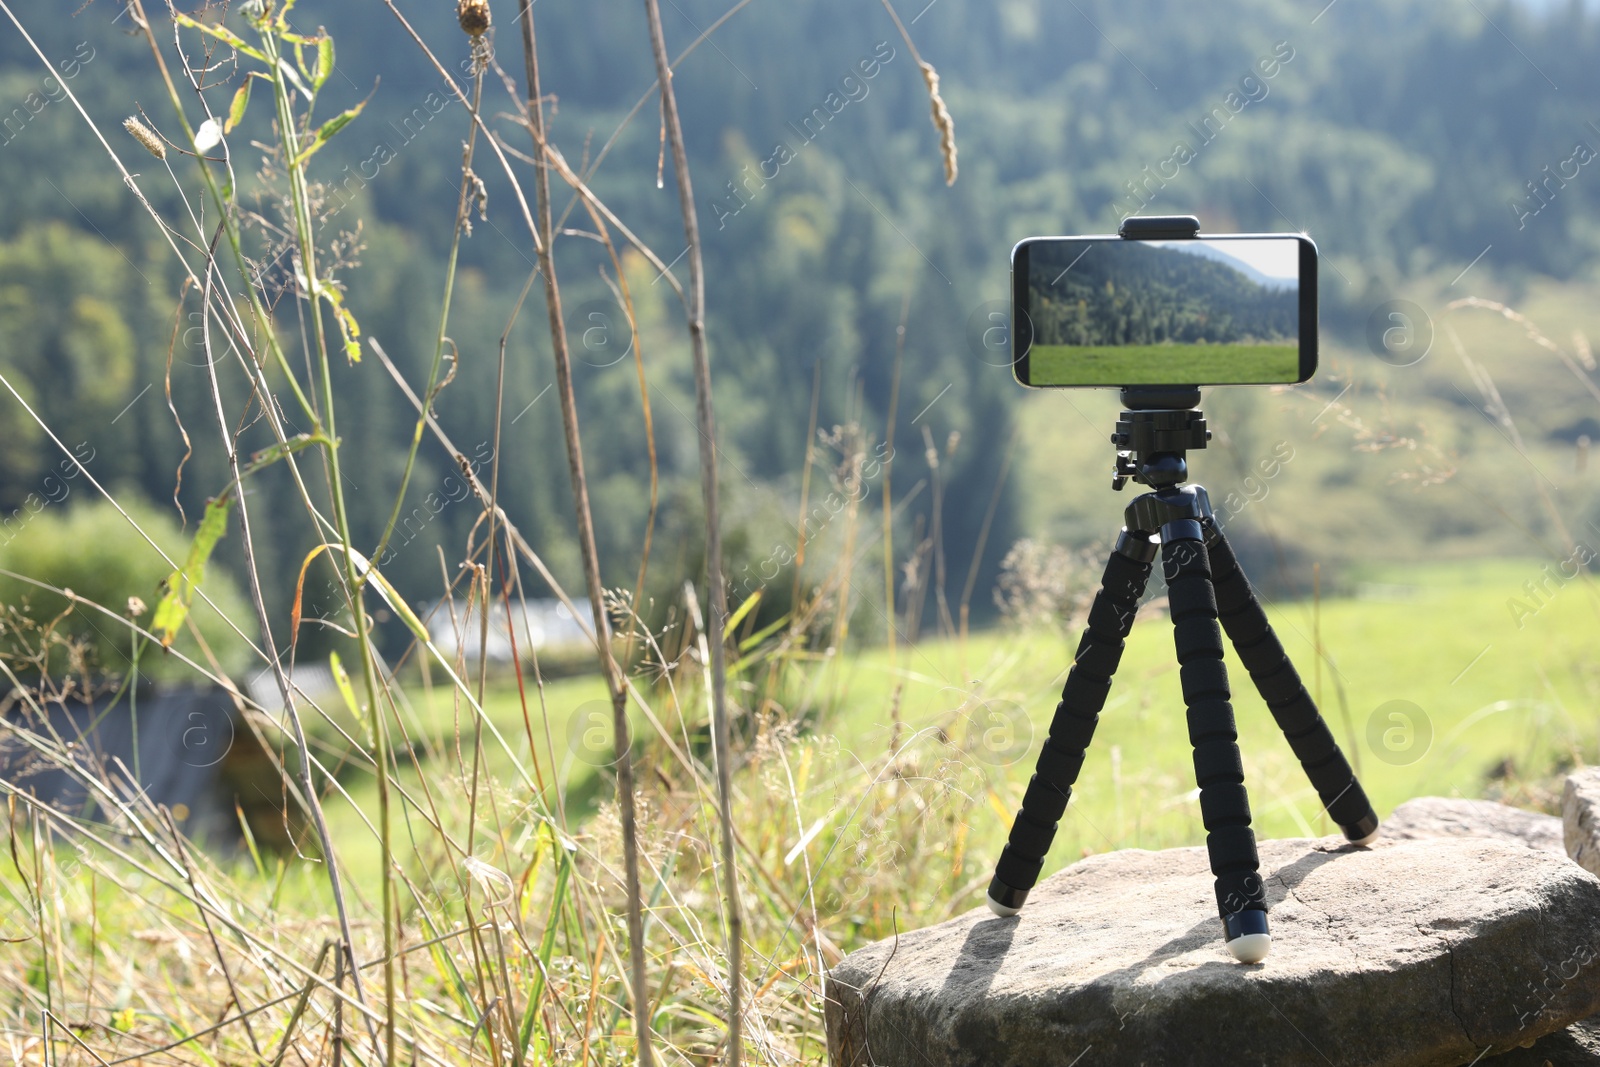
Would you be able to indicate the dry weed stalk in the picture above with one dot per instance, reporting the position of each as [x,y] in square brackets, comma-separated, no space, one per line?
[622,736]
[716,584]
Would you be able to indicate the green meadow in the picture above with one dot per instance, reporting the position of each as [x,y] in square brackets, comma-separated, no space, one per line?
[1162,364]
[1497,702]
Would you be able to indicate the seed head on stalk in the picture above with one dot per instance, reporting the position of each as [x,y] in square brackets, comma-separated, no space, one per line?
[145,136]
[473,16]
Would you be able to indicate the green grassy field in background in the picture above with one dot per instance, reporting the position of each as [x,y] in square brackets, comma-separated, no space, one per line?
[1503,709]
[1161,364]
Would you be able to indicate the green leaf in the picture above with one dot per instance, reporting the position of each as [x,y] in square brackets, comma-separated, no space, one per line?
[241,100]
[293,77]
[341,679]
[326,131]
[352,333]
[324,62]
[397,604]
[547,945]
[221,33]
[762,634]
[181,585]
[266,457]
[300,58]
[739,613]
[349,328]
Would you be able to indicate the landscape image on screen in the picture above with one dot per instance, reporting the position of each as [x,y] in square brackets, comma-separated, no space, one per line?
[1196,312]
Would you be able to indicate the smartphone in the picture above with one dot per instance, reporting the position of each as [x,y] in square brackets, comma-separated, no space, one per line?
[1235,309]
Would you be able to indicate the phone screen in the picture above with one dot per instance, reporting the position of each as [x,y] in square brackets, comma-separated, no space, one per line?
[1104,311]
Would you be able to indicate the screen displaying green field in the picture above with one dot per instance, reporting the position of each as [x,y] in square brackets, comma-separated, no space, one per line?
[1165,364]
[1200,311]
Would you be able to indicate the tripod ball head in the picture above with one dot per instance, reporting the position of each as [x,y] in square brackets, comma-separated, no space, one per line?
[1161,471]
[1152,443]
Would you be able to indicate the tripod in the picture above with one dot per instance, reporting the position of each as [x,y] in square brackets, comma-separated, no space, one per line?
[1205,586]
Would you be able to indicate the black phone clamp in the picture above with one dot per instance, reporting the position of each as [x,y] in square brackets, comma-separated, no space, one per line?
[1158,227]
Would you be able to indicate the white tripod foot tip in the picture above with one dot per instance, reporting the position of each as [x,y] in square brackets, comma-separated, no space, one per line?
[1369,839]
[1005,900]
[1000,909]
[1250,948]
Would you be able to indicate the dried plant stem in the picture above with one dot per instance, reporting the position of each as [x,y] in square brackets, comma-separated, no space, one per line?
[307,786]
[615,682]
[644,98]
[1501,414]
[624,295]
[182,854]
[931,453]
[805,497]
[983,538]
[708,488]
[463,211]
[493,142]
[888,470]
[480,493]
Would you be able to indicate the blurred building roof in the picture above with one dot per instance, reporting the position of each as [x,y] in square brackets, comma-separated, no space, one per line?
[545,625]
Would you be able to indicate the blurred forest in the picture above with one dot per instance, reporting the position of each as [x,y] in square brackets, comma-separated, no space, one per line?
[1147,296]
[1407,138]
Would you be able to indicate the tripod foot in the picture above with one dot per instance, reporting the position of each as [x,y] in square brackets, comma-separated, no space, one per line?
[1251,948]
[1364,831]
[1000,909]
[1004,900]
[1247,935]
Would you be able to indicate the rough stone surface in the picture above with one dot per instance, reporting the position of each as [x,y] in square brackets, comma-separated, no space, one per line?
[1574,834]
[1576,1046]
[1427,817]
[1580,818]
[1425,953]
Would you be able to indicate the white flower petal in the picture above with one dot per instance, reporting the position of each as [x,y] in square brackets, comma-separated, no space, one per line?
[208,136]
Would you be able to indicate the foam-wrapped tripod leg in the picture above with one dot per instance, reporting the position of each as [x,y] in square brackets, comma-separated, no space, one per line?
[1072,727]
[1224,804]
[1292,707]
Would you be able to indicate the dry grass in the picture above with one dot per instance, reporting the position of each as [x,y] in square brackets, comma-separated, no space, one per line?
[441,901]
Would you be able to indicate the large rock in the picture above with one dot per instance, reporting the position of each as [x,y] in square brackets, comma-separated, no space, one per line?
[1576,1046]
[1427,817]
[1580,818]
[1426,953]
[1574,835]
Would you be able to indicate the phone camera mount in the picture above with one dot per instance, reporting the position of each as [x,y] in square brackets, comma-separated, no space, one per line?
[1152,442]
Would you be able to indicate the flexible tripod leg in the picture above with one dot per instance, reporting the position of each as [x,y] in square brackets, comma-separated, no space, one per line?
[1279,684]
[1072,727]
[1224,804]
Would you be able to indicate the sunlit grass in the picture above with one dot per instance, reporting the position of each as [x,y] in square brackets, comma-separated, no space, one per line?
[873,796]
[1506,706]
